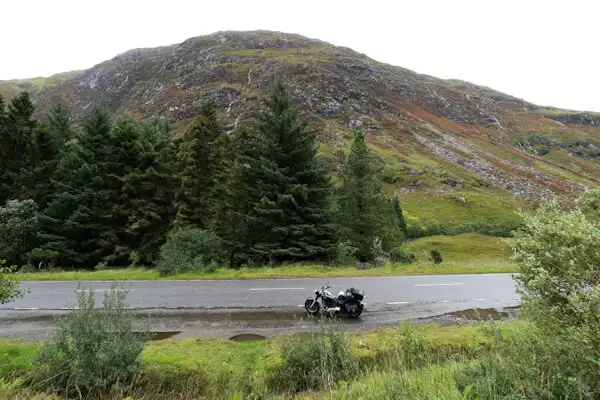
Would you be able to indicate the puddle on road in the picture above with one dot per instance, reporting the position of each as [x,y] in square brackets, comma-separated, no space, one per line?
[247,337]
[481,314]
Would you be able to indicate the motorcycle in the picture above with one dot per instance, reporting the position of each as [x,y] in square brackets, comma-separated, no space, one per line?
[348,302]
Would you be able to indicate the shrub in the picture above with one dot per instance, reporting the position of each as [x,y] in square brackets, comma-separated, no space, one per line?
[436,257]
[10,289]
[530,364]
[18,229]
[189,250]
[314,361]
[558,256]
[401,256]
[92,350]
[345,253]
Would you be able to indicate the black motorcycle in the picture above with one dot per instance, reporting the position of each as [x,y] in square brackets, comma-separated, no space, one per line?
[348,302]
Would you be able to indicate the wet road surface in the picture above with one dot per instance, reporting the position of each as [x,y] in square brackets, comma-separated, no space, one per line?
[264,307]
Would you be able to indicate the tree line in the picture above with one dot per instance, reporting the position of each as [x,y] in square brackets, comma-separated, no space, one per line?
[112,190]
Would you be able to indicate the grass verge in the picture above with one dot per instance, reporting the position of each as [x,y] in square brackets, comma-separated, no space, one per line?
[406,360]
[295,271]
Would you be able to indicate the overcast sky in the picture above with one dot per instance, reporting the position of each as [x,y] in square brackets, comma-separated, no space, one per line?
[543,51]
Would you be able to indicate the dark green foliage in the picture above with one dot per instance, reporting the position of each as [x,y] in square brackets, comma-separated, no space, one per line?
[198,166]
[114,193]
[436,257]
[93,349]
[364,212]
[400,216]
[290,216]
[315,361]
[76,226]
[504,229]
[10,288]
[151,188]
[401,256]
[44,155]
[234,198]
[18,229]
[190,250]
[17,139]
[534,365]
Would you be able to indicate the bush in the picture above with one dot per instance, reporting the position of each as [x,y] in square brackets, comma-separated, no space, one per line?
[436,257]
[401,256]
[314,361]
[18,229]
[558,257]
[345,254]
[92,350]
[530,364]
[504,229]
[190,250]
[10,289]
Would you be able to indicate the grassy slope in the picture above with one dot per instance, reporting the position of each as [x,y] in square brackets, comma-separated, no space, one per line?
[463,254]
[229,367]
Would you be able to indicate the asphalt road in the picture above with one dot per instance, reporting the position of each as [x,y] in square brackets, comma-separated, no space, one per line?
[223,308]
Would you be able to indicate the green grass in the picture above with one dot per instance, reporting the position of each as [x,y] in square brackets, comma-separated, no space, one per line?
[463,254]
[490,266]
[230,369]
[470,248]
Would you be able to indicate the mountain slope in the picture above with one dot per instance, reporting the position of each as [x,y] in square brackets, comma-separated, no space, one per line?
[455,151]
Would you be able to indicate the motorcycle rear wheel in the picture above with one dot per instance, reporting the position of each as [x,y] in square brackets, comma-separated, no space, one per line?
[312,307]
[355,313]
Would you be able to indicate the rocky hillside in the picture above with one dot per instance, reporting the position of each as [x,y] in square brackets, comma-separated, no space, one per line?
[454,150]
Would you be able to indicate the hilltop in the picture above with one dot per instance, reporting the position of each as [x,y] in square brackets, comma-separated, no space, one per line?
[455,151]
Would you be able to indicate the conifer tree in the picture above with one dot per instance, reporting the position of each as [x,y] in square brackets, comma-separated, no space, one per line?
[291,219]
[75,227]
[234,197]
[197,165]
[150,189]
[16,143]
[361,201]
[4,153]
[44,153]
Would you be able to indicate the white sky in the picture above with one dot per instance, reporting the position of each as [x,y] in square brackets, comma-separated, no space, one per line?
[543,51]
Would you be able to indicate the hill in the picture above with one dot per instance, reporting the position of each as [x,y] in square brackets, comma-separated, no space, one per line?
[455,151]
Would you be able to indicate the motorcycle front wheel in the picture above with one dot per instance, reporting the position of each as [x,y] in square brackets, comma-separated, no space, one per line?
[312,307]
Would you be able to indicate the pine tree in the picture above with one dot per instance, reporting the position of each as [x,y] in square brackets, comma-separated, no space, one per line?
[150,189]
[197,165]
[44,153]
[4,153]
[75,227]
[234,197]
[16,143]
[120,167]
[361,199]
[291,219]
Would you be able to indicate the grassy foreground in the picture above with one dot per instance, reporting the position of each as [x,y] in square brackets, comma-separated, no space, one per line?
[463,254]
[226,369]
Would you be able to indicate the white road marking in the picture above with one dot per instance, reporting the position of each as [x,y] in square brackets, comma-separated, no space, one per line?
[276,288]
[438,284]
[478,299]
[445,301]
[393,303]
[104,290]
[26,308]
[70,308]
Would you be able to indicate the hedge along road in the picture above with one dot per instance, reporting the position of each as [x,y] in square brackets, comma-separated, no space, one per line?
[220,308]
